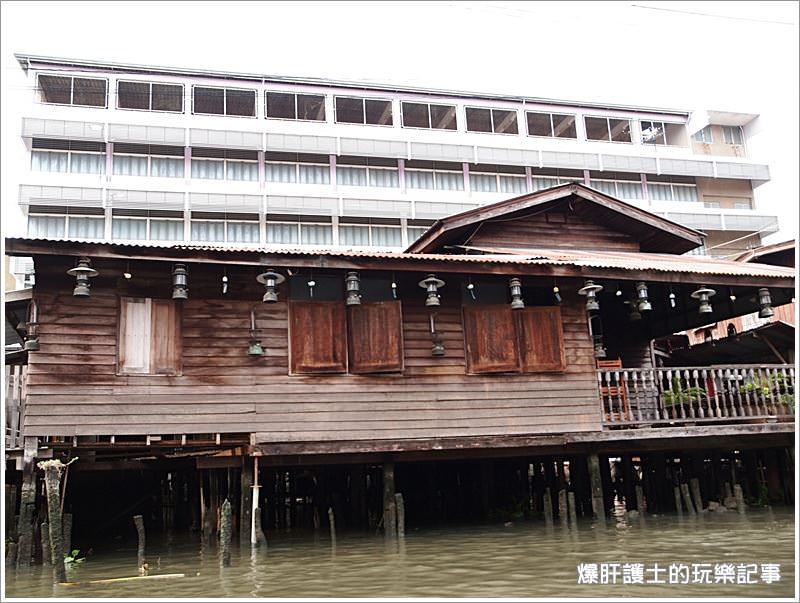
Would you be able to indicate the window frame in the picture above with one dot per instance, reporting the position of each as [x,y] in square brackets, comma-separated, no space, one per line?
[295,94]
[702,139]
[552,135]
[146,220]
[370,237]
[608,128]
[69,153]
[363,100]
[732,130]
[150,96]
[225,236]
[491,111]
[120,335]
[428,105]
[225,100]
[71,89]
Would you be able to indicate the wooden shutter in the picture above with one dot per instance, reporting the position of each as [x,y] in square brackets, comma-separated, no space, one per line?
[317,337]
[490,339]
[165,339]
[134,335]
[376,337]
[541,339]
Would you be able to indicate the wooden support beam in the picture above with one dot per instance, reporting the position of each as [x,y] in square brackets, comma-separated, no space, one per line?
[598,503]
[389,502]
[246,500]
[27,502]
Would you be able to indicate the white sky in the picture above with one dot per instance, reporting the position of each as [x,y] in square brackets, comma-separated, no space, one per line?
[739,56]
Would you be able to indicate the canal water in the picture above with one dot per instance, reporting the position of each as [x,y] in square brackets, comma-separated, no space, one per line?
[520,559]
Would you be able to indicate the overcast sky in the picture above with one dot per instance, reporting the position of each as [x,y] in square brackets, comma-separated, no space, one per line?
[739,56]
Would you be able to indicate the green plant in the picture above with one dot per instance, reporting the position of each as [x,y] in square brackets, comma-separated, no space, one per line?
[777,385]
[72,559]
[678,394]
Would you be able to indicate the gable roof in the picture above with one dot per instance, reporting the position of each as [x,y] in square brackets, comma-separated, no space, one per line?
[654,233]
[779,254]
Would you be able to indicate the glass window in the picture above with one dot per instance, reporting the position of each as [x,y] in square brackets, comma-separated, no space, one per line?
[243,232]
[55,89]
[539,124]
[208,231]
[281,105]
[443,117]
[316,234]
[419,179]
[280,172]
[224,101]
[349,110]
[596,128]
[605,186]
[415,115]
[711,204]
[208,169]
[653,132]
[659,192]
[684,193]
[513,184]
[167,167]
[415,232]
[483,183]
[732,135]
[478,120]
[351,176]
[554,125]
[46,226]
[167,97]
[620,129]
[499,121]
[449,181]
[166,230]
[87,163]
[742,205]
[282,233]
[130,165]
[363,111]
[242,170]
[49,161]
[209,100]
[86,228]
[504,121]
[629,190]
[387,236]
[311,107]
[354,235]
[68,90]
[88,92]
[315,174]
[387,178]
[133,95]
[422,115]
[378,112]
[704,135]
[564,126]
[241,103]
[128,229]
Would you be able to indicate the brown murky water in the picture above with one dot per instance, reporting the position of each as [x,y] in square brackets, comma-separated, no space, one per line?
[520,560]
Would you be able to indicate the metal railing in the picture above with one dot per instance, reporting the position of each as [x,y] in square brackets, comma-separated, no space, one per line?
[646,396]
[16,375]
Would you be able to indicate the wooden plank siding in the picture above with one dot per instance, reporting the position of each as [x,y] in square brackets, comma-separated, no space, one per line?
[552,230]
[74,387]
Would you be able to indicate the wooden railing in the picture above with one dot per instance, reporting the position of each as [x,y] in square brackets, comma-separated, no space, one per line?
[15,403]
[649,396]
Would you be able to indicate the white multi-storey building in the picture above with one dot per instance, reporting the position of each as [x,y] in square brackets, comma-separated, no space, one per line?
[132,153]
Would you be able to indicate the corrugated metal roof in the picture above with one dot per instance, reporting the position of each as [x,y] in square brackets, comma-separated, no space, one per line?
[565,257]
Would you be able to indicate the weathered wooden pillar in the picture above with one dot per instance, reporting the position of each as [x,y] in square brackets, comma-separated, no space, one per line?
[550,481]
[677,494]
[44,534]
[246,501]
[401,514]
[66,529]
[562,507]
[596,481]
[332,525]
[628,483]
[694,486]
[389,503]
[225,534]
[607,485]
[27,505]
[52,480]
[573,514]
[639,499]
[138,521]
[774,487]
[687,498]
[739,495]
[547,506]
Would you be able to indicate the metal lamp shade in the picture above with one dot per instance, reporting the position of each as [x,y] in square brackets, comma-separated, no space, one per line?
[704,294]
[82,273]
[516,294]
[431,284]
[765,303]
[352,286]
[590,290]
[270,280]
[180,282]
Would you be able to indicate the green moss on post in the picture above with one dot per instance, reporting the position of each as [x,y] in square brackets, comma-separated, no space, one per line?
[52,479]
[225,534]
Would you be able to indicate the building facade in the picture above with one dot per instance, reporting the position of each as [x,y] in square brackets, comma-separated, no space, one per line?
[132,153]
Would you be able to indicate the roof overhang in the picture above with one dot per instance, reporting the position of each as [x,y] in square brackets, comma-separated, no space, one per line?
[778,254]
[765,343]
[540,262]
[655,233]
[700,119]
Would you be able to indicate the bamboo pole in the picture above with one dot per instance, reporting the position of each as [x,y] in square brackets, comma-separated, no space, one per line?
[225,534]
[138,521]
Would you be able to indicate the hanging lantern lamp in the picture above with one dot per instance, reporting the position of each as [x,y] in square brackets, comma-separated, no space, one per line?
[254,348]
[704,294]
[82,273]
[270,279]
[352,284]
[590,290]
[431,284]
[180,282]
[642,297]
[437,342]
[765,303]
[516,294]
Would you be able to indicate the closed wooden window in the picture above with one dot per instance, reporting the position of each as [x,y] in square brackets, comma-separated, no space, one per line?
[541,339]
[376,337]
[149,336]
[501,340]
[317,337]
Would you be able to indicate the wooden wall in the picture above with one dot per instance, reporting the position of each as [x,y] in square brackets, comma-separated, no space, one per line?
[557,228]
[74,388]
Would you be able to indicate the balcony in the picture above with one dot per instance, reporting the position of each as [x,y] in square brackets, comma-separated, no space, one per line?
[663,397]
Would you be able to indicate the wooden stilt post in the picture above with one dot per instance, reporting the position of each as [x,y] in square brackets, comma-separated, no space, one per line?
[246,499]
[332,524]
[44,534]
[138,521]
[687,499]
[639,499]
[52,480]
[562,507]
[389,504]
[11,554]
[739,495]
[573,515]
[401,515]
[694,485]
[677,493]
[225,534]
[547,504]
[598,503]
[27,504]
[67,526]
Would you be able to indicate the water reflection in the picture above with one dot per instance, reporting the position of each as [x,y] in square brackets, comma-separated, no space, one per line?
[524,559]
